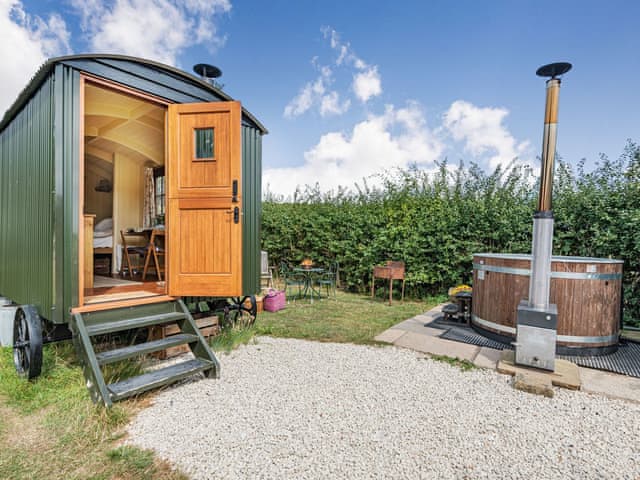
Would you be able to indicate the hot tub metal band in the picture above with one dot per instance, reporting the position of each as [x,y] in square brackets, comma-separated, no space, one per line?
[568,275]
[561,338]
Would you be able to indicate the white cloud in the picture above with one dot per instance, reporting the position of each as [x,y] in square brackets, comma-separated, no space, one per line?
[367,84]
[397,138]
[366,81]
[484,134]
[346,55]
[316,93]
[308,95]
[26,41]
[331,104]
[155,29]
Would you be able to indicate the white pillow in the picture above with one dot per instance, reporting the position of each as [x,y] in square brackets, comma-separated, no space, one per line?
[104,225]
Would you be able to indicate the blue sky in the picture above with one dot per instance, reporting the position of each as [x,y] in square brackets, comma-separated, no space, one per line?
[349,88]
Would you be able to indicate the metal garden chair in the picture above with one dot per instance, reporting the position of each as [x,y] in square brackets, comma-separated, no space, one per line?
[329,279]
[291,278]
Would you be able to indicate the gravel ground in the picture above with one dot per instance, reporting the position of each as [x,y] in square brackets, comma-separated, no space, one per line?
[304,410]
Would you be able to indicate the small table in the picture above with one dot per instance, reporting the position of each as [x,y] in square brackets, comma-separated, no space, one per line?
[309,273]
[391,271]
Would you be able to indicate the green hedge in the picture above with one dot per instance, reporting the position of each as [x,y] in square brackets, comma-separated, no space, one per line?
[435,223]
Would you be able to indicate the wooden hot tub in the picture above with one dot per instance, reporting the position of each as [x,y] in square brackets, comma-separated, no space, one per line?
[586,290]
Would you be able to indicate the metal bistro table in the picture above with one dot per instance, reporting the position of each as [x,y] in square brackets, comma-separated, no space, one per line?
[309,273]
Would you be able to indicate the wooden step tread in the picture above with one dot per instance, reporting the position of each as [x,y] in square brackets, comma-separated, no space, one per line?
[131,323]
[130,351]
[157,378]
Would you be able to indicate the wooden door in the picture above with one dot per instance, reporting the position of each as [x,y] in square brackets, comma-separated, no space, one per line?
[204,199]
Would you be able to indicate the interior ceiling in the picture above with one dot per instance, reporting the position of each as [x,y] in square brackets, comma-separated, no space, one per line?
[119,123]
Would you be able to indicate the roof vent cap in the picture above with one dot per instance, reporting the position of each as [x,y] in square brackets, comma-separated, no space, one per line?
[208,73]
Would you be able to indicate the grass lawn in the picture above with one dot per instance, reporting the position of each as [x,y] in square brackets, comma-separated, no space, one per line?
[50,429]
[349,318]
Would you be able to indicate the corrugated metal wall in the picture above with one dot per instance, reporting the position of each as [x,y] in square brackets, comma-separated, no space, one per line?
[67,135]
[27,203]
[252,208]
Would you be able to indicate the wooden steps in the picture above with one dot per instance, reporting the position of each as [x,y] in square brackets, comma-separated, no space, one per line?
[157,378]
[187,335]
[111,356]
[208,327]
[131,323]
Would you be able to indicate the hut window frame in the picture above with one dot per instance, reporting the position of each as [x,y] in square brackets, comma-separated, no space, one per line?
[204,144]
[159,182]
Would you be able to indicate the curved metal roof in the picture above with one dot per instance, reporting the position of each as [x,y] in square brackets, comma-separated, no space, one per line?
[46,68]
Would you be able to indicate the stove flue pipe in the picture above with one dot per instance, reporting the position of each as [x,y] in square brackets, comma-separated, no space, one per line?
[549,144]
[543,218]
[537,320]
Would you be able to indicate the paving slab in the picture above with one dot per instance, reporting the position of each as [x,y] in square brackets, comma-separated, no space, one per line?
[418,319]
[390,335]
[566,374]
[487,358]
[432,332]
[431,315]
[610,384]
[417,327]
[532,382]
[422,318]
[437,346]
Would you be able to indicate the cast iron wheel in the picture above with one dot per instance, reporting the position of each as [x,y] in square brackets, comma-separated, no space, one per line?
[27,342]
[240,312]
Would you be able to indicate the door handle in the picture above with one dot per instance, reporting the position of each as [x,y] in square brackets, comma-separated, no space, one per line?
[234,191]
[236,215]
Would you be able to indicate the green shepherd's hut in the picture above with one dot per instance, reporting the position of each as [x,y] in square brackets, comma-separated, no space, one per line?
[129,197]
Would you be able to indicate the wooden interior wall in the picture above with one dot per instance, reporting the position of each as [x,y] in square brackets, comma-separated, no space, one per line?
[98,203]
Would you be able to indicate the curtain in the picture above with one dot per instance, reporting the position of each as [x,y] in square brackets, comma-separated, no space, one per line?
[149,212]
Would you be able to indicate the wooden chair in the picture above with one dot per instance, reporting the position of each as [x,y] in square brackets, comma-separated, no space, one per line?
[133,243]
[155,250]
[390,270]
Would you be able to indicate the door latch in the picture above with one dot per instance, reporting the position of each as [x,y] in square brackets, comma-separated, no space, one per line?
[234,191]
[236,215]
